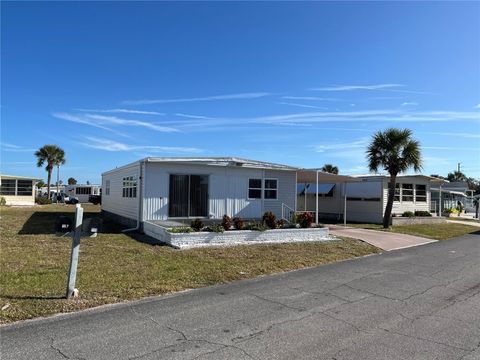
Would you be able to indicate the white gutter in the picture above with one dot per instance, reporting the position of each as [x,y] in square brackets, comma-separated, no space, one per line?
[140,200]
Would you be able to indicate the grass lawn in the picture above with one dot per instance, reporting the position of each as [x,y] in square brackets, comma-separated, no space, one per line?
[433,231]
[115,267]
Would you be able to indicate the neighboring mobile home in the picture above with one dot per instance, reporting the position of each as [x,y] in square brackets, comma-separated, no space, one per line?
[17,190]
[185,188]
[366,200]
[83,191]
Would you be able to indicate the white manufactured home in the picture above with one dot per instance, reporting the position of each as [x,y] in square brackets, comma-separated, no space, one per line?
[366,198]
[184,188]
[83,191]
[17,190]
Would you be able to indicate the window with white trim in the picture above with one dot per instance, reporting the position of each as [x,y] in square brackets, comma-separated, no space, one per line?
[420,193]
[84,190]
[270,189]
[254,188]
[8,187]
[107,187]
[129,187]
[24,187]
[396,197]
[407,192]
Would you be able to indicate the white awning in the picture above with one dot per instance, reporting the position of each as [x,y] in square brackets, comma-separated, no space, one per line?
[312,188]
[309,176]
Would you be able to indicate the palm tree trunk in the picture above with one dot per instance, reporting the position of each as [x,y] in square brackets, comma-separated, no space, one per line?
[391,196]
[49,179]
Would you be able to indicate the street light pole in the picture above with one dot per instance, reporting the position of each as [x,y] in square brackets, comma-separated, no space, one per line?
[58,179]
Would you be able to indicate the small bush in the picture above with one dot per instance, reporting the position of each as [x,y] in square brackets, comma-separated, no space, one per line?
[256,226]
[238,223]
[197,224]
[294,218]
[305,220]
[3,202]
[269,219]
[422,213]
[42,200]
[218,228]
[226,222]
[408,214]
[280,223]
[180,230]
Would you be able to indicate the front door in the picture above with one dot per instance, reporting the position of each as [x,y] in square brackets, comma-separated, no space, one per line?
[188,196]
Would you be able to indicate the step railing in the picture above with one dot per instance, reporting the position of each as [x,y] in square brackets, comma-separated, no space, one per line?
[288,213]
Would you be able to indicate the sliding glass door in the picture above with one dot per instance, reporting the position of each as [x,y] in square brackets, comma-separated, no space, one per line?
[188,196]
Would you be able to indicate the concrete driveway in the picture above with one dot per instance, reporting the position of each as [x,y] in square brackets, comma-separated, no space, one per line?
[384,240]
[417,303]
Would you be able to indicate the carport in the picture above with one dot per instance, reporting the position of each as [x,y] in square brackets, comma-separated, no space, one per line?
[320,179]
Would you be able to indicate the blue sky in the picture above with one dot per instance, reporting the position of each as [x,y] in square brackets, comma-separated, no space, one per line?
[298,83]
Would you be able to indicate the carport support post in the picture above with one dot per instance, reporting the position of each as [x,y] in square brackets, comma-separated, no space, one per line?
[345,204]
[72,273]
[316,201]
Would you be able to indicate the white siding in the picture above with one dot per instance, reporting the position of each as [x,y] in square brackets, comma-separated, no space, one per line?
[228,190]
[115,203]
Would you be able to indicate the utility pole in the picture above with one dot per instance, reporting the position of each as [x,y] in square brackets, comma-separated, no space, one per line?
[458,167]
[58,179]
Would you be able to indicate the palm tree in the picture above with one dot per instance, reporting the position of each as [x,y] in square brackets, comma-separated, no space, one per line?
[329,168]
[395,151]
[51,155]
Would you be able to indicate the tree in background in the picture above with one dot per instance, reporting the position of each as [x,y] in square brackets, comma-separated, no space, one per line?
[71,181]
[396,151]
[51,155]
[40,184]
[456,176]
[329,168]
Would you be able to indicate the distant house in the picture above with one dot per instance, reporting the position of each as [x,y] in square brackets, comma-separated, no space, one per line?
[449,195]
[18,190]
[366,199]
[185,188]
[83,191]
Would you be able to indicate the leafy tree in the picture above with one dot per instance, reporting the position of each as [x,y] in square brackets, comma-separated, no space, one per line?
[71,181]
[40,184]
[329,168]
[456,176]
[396,151]
[51,155]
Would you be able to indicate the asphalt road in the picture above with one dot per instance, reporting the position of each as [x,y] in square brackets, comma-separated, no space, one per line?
[417,303]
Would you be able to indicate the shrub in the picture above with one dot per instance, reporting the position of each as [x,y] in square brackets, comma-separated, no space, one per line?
[238,223]
[294,218]
[280,224]
[408,214]
[256,226]
[305,219]
[42,200]
[451,211]
[218,228]
[3,202]
[180,229]
[197,224]
[422,213]
[226,222]
[269,219]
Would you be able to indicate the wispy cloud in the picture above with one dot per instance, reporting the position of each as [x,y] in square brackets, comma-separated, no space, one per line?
[15,148]
[374,87]
[312,98]
[477,106]
[252,95]
[357,87]
[122,111]
[110,145]
[188,116]
[472,135]
[358,144]
[101,121]
[410,103]
[301,105]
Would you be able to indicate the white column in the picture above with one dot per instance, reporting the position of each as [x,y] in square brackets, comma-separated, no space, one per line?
[345,204]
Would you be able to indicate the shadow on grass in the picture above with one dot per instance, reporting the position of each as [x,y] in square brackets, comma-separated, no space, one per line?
[43,223]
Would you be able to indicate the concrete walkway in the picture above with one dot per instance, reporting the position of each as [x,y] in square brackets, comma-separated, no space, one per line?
[471,223]
[384,240]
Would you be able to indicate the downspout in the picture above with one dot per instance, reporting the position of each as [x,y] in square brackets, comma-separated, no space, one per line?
[140,201]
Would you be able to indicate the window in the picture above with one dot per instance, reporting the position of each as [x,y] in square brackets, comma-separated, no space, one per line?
[107,187]
[397,193]
[407,192]
[254,188]
[84,190]
[129,188]
[270,191]
[8,187]
[420,193]
[24,187]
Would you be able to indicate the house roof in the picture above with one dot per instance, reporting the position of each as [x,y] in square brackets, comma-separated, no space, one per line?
[4,176]
[212,161]
[382,176]
[310,176]
[459,193]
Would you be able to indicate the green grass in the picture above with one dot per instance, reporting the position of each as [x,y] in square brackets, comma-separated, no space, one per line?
[115,267]
[432,231]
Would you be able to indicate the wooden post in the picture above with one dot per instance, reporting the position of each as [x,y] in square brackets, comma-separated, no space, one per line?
[77,232]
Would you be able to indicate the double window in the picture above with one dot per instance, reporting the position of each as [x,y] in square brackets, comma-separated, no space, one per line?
[16,187]
[85,190]
[129,187]
[410,192]
[269,189]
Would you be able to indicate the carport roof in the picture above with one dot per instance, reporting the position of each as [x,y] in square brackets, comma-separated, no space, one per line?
[310,176]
